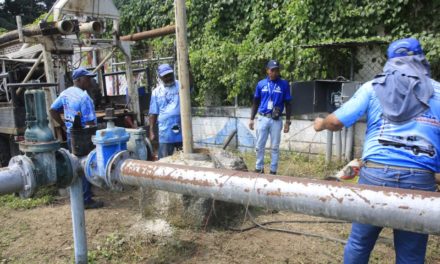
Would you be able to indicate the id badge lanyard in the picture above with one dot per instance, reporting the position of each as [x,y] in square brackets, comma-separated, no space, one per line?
[270,102]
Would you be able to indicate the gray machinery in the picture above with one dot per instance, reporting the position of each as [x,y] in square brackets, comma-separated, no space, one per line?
[322,97]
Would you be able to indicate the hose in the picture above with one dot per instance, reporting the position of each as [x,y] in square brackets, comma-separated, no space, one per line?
[262,226]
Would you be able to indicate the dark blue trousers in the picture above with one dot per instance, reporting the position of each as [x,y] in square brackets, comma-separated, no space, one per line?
[410,247]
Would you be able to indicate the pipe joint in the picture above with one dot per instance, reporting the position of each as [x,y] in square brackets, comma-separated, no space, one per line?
[26,175]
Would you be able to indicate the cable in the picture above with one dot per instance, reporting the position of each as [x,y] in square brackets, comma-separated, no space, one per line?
[252,219]
[288,221]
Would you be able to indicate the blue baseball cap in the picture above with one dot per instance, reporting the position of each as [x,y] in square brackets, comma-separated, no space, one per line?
[272,64]
[404,47]
[80,72]
[164,69]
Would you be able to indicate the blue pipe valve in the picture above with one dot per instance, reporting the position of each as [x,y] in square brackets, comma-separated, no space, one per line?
[109,142]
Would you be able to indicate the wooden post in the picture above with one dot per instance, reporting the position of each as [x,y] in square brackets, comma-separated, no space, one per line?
[182,63]
[50,92]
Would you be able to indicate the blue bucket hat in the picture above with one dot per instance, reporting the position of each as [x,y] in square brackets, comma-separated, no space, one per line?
[164,69]
[272,64]
[80,72]
[404,47]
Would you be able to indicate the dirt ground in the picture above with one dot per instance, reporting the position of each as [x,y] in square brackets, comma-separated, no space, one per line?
[115,235]
[118,234]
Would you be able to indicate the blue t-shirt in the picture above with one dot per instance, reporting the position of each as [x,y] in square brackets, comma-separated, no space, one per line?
[74,100]
[277,91]
[415,144]
[165,103]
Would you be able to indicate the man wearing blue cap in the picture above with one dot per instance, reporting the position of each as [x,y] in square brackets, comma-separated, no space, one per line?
[402,144]
[72,101]
[165,110]
[272,94]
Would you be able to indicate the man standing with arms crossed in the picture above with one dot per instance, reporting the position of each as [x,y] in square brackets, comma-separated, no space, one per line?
[402,141]
[272,94]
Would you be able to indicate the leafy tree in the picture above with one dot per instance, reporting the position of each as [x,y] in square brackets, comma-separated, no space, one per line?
[28,9]
[231,40]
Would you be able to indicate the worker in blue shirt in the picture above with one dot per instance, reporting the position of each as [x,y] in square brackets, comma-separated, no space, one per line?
[272,94]
[72,101]
[402,142]
[165,110]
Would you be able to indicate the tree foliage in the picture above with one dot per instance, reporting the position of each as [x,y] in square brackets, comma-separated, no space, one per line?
[29,10]
[231,40]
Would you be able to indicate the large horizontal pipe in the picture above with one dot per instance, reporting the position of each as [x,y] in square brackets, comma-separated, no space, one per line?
[158,32]
[124,72]
[64,27]
[144,61]
[389,207]
[94,27]
[11,180]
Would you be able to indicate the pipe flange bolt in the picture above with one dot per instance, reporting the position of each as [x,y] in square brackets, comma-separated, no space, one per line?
[27,167]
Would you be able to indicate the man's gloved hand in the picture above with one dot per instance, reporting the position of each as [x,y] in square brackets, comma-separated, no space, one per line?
[251,124]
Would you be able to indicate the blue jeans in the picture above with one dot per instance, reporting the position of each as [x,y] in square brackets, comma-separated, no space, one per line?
[86,185]
[267,126]
[167,149]
[410,247]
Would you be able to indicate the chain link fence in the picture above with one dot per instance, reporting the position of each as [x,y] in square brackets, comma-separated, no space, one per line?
[355,61]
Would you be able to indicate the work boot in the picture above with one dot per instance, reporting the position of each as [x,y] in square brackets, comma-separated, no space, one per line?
[273,172]
[259,170]
[93,204]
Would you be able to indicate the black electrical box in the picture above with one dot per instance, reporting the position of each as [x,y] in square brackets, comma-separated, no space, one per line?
[320,96]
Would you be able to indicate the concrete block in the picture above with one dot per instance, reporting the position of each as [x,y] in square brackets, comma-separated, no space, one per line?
[185,210]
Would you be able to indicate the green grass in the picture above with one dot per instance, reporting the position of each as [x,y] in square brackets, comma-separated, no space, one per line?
[296,164]
[121,248]
[43,197]
[113,247]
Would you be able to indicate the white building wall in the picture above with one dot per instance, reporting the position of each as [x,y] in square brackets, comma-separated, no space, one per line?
[212,126]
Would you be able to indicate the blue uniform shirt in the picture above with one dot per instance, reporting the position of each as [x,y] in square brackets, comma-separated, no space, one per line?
[277,91]
[165,103]
[415,144]
[74,100]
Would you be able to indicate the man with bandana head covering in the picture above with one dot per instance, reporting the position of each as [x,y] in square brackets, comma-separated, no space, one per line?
[402,141]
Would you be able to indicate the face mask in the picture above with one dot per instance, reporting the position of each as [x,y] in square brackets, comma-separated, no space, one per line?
[170,84]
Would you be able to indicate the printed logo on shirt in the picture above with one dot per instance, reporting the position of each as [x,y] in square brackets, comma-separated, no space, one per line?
[416,144]
[408,141]
[277,89]
[265,89]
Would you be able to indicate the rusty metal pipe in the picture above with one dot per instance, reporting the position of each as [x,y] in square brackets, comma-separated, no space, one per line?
[410,210]
[158,32]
